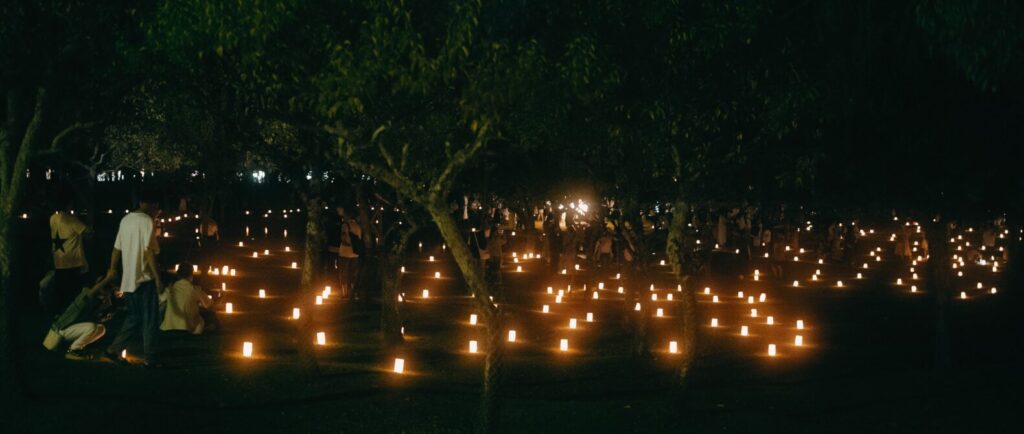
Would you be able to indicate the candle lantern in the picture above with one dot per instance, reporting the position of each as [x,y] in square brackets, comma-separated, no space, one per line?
[246,349]
[673,347]
[511,335]
[228,308]
[295,313]
[321,338]
[714,322]
[771,350]
[399,366]
[472,346]
[563,345]
[472,319]
[744,331]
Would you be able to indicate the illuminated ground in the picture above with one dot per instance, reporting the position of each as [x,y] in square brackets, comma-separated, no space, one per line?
[865,363]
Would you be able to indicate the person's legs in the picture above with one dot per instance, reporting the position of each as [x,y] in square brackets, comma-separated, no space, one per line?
[130,326]
[150,318]
[82,334]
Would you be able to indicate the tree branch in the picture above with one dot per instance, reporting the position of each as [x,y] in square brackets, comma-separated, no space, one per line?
[13,191]
[455,163]
[70,129]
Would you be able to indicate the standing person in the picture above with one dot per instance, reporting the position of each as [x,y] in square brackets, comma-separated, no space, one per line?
[69,263]
[135,250]
[348,254]
[603,253]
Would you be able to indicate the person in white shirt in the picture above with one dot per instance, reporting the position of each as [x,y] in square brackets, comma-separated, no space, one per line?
[69,263]
[135,250]
[185,302]
[348,254]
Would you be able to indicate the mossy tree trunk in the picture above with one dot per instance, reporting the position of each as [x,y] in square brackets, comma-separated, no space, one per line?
[676,249]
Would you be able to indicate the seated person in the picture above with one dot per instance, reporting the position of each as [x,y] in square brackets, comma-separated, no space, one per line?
[80,322]
[184,301]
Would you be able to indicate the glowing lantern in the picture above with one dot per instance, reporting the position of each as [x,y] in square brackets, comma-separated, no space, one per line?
[860,276]
[572,323]
[637,307]
[321,338]
[511,335]
[319,300]
[263,293]
[472,319]
[600,285]
[899,281]
[287,249]
[707,290]
[246,349]
[753,313]
[979,285]
[669,296]
[993,290]
[295,313]
[399,366]
[266,252]
[771,320]
[800,324]
[590,315]
[437,274]
[798,341]
[255,254]
[426,293]
[402,269]
[963,295]
[796,283]
[744,331]
[545,309]
[472,346]
[563,345]
[762,297]
[519,268]
[739,294]
[913,288]
[622,290]
[771,350]
[714,322]
[714,299]
[673,347]
[594,296]
[662,262]
[654,297]
[295,265]
[550,290]
[839,284]
[660,312]
[241,244]
[750,299]
[558,299]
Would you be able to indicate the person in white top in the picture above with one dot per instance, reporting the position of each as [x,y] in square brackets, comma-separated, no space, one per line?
[348,254]
[135,250]
[69,263]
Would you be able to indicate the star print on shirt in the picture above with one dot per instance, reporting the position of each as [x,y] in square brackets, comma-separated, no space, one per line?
[58,243]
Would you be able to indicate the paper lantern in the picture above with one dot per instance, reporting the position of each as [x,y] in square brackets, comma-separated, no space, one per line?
[572,323]
[195,269]
[255,254]
[654,297]
[707,290]
[472,319]
[563,345]
[796,283]
[600,285]
[739,294]
[577,267]
[472,346]
[223,286]
[295,265]
[913,288]
[621,290]
[839,283]
[750,299]
[511,335]
[762,297]
[660,312]
[263,293]
[714,299]
[550,290]
[399,366]
[545,309]
[673,347]
[519,268]
[431,259]
[558,299]
[979,285]
[287,249]
[295,313]
[426,293]
[319,300]
[798,341]
[636,307]
[246,349]
[662,262]
[771,350]
[744,331]
[800,324]
[618,276]
[224,270]
[770,320]
[241,244]
[402,269]
[669,296]
[714,322]
[228,308]
[321,338]
[437,274]
[963,295]
[561,292]
[594,296]
[590,316]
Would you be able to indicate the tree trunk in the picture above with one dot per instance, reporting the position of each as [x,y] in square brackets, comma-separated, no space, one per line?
[675,248]
[940,284]
[304,299]
[470,268]
[10,382]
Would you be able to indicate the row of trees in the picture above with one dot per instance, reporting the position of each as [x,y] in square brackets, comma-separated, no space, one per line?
[684,102]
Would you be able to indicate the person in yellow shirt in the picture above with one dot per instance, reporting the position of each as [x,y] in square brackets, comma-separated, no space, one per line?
[67,233]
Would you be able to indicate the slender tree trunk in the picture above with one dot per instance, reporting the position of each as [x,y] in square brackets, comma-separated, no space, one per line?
[305,297]
[470,268]
[390,275]
[675,248]
[9,378]
[940,284]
